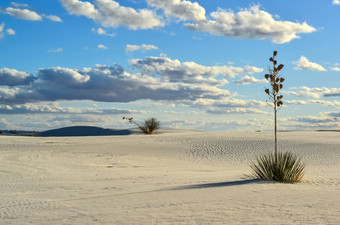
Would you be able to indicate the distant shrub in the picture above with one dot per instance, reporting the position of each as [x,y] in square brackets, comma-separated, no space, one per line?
[148,126]
[283,167]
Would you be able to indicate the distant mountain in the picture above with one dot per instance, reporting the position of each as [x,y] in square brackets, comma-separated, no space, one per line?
[83,131]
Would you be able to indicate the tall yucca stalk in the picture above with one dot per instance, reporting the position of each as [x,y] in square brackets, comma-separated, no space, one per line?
[275,82]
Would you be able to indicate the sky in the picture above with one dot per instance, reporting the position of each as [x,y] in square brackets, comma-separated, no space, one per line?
[190,64]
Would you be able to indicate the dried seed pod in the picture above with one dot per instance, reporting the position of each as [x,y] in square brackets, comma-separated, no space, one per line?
[271,59]
[281,86]
[275,53]
[275,62]
[277,80]
[266,76]
[276,88]
[282,79]
[267,91]
[280,67]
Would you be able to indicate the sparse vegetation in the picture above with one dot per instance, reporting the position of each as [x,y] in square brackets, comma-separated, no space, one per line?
[282,167]
[148,126]
[285,167]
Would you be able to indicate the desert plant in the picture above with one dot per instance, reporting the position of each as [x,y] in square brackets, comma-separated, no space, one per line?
[284,167]
[275,81]
[149,125]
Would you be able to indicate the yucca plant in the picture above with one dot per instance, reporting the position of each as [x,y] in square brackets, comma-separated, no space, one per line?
[282,167]
[286,167]
[149,125]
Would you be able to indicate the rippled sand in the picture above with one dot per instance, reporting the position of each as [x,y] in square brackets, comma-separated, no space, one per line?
[169,178]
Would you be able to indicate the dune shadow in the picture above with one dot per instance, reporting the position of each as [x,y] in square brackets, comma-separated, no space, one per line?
[218,184]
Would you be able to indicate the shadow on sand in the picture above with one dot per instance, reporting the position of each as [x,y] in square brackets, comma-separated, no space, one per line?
[216,185]
[186,187]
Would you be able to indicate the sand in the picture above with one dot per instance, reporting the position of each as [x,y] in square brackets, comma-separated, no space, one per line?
[168,178]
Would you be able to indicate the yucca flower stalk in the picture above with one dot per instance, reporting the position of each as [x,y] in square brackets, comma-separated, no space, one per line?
[275,81]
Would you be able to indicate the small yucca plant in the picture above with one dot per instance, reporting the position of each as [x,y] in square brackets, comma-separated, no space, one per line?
[283,167]
[149,125]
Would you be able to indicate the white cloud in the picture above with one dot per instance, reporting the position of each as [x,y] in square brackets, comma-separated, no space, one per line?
[251,23]
[102,46]
[101,31]
[335,68]
[189,72]
[81,8]
[53,18]
[22,11]
[2,26]
[295,102]
[10,31]
[56,50]
[304,64]
[107,84]
[249,80]
[326,103]
[131,48]
[336,2]
[25,14]
[110,14]
[183,10]
[19,5]
[56,109]
[12,77]
[307,92]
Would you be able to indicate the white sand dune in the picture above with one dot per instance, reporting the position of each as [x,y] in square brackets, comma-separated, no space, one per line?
[169,178]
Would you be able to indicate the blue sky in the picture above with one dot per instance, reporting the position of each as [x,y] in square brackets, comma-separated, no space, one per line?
[191,64]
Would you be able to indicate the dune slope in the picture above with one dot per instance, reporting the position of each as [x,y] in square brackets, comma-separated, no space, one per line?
[169,178]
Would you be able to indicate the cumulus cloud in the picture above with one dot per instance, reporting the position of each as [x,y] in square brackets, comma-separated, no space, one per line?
[102,46]
[107,84]
[295,102]
[183,10]
[313,119]
[189,72]
[2,30]
[101,31]
[22,11]
[335,68]
[10,31]
[56,109]
[304,64]
[251,23]
[109,13]
[25,14]
[336,2]
[12,77]
[326,103]
[2,25]
[307,92]
[53,18]
[144,47]
[249,80]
